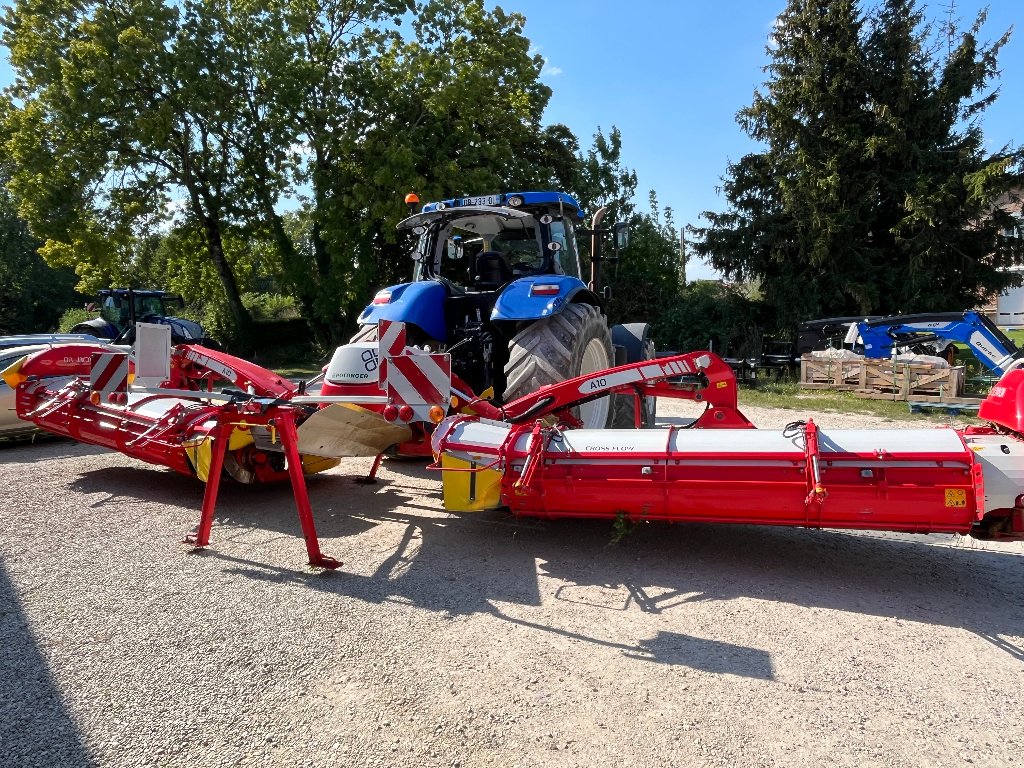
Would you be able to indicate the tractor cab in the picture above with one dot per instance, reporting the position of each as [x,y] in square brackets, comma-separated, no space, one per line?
[483,243]
[120,308]
[498,285]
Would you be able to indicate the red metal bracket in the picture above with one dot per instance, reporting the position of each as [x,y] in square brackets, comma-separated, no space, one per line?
[816,492]
[699,376]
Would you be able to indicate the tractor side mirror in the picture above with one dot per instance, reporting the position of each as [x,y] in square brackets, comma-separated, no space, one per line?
[415,254]
[621,233]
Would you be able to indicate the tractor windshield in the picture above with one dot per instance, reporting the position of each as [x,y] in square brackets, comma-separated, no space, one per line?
[485,248]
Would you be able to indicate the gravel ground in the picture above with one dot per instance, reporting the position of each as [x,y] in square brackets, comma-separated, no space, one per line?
[482,640]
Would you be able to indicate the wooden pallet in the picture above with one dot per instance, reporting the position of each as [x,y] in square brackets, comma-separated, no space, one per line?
[880,378]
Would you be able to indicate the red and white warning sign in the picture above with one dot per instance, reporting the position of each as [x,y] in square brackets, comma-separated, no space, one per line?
[420,381]
[390,343]
[411,377]
[109,373]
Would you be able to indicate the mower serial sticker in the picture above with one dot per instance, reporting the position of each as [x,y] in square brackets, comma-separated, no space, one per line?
[956,497]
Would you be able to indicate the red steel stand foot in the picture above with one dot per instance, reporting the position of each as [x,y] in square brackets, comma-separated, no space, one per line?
[290,442]
[370,479]
[200,536]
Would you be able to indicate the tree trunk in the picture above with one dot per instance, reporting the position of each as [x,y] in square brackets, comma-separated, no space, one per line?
[241,316]
[304,289]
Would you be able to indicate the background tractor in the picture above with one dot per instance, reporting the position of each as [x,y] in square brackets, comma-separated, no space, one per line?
[120,308]
[498,284]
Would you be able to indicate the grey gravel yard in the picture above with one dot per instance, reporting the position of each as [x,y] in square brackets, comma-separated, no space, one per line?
[482,640]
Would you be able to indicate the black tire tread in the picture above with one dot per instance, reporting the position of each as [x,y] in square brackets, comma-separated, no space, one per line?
[551,350]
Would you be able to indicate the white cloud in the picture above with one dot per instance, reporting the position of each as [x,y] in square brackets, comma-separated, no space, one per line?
[773,32]
[550,70]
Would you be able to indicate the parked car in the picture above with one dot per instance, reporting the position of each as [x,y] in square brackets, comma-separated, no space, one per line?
[10,425]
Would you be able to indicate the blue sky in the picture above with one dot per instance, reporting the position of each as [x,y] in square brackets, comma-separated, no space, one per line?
[671,74]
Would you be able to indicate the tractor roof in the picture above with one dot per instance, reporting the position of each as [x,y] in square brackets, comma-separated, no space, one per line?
[512,200]
[484,220]
[133,291]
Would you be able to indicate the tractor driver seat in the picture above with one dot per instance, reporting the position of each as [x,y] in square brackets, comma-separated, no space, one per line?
[492,271]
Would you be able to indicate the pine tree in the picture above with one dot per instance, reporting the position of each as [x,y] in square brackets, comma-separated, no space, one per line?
[873,193]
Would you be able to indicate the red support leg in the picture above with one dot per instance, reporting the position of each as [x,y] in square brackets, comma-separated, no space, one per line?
[200,537]
[290,442]
[371,479]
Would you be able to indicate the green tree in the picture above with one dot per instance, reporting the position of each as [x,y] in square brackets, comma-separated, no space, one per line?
[450,107]
[646,281]
[874,193]
[118,108]
[712,315]
[32,295]
[602,180]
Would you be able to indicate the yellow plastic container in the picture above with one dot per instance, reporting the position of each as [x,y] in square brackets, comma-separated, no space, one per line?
[466,491]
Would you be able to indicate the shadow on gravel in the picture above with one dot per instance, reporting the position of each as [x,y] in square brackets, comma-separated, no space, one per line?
[35,726]
[43,447]
[706,655]
[469,564]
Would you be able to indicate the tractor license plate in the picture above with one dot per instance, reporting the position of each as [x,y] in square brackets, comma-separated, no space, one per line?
[482,200]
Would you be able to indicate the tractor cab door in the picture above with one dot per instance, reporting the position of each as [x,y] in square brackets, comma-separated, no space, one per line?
[566,256]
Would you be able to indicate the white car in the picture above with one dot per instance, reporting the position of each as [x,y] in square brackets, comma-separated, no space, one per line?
[10,425]
[47,339]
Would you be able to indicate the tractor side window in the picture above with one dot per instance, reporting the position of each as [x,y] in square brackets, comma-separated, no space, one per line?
[567,258]
[458,257]
[421,253]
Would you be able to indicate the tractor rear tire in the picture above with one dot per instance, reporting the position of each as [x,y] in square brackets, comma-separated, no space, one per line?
[639,346]
[574,342]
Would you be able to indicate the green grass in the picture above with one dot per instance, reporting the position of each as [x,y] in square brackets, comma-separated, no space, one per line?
[788,394]
[299,370]
[1017,337]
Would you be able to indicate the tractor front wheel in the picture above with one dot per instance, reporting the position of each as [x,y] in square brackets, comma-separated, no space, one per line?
[572,343]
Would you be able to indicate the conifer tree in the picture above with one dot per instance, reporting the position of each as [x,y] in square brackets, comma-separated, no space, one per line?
[874,192]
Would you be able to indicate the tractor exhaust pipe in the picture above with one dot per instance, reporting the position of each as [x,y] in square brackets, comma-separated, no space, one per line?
[595,249]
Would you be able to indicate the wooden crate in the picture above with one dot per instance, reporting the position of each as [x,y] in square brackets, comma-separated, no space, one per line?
[881,378]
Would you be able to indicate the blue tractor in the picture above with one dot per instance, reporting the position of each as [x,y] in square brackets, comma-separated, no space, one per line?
[120,308]
[498,284]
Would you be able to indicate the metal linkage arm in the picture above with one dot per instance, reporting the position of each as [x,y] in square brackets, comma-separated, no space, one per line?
[193,366]
[699,376]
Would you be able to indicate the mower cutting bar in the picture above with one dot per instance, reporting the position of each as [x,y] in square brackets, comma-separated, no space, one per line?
[921,481]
